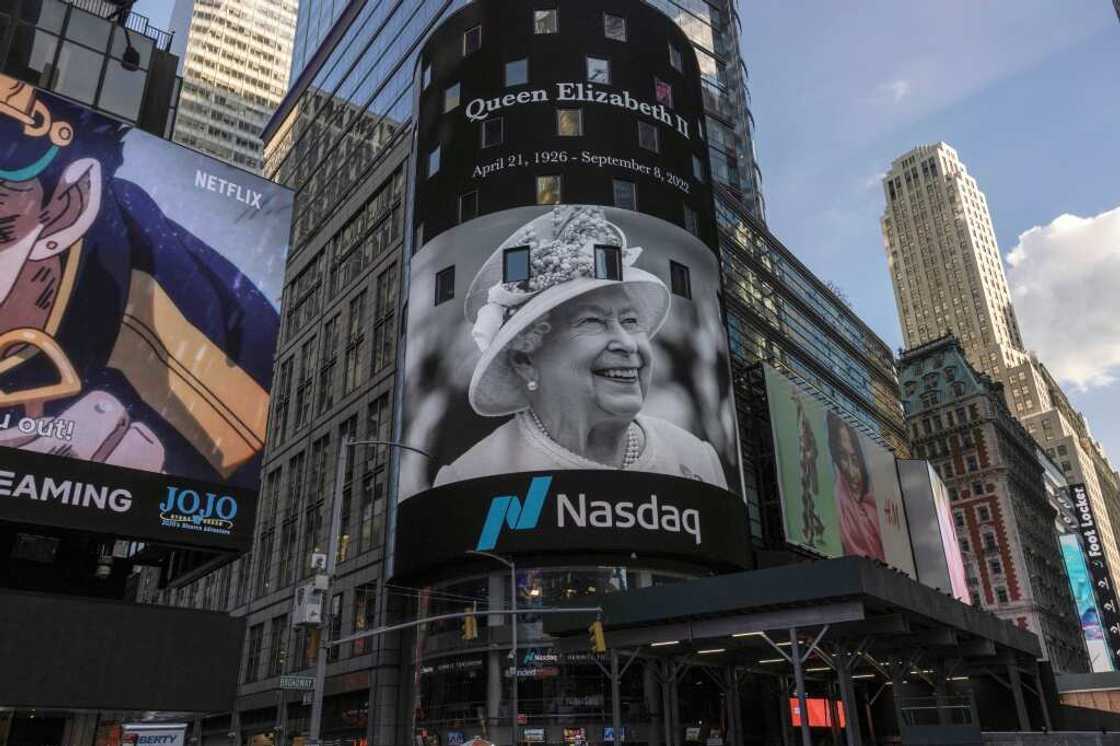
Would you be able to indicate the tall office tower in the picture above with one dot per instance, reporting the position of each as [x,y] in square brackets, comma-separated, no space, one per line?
[1002,506]
[948,278]
[342,138]
[235,73]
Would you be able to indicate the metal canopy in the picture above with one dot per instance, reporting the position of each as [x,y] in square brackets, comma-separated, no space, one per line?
[855,596]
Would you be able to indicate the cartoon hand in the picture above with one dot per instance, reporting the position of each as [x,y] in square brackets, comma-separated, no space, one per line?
[101,432]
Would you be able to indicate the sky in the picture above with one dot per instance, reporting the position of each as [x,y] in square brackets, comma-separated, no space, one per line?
[158,13]
[1027,93]
[1025,90]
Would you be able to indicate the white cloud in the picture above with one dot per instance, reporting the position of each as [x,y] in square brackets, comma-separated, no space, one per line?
[895,91]
[1065,284]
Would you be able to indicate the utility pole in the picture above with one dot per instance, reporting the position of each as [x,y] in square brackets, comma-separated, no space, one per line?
[315,727]
[514,624]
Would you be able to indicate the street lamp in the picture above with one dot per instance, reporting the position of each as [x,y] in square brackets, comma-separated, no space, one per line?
[332,559]
[513,621]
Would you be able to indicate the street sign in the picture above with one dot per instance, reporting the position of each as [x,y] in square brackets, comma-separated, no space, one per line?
[308,698]
[301,683]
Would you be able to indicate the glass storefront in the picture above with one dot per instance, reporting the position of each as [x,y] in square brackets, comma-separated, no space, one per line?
[463,689]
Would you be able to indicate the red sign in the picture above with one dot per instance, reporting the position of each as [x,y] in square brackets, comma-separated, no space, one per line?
[820,714]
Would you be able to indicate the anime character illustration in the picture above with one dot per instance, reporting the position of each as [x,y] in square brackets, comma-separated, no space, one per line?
[124,338]
[855,501]
[568,353]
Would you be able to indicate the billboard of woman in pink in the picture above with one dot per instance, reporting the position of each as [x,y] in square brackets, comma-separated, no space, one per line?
[855,501]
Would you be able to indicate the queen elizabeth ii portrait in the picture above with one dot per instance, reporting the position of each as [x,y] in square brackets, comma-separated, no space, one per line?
[567,369]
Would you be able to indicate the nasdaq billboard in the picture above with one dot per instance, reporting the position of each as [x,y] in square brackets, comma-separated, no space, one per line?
[139,285]
[564,322]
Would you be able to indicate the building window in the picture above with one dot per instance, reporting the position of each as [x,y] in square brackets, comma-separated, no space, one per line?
[433,162]
[253,653]
[546,21]
[971,463]
[472,40]
[426,76]
[598,70]
[445,285]
[663,92]
[468,206]
[679,280]
[995,566]
[983,514]
[549,190]
[492,132]
[569,122]
[647,137]
[675,58]
[1066,466]
[691,221]
[608,262]
[614,27]
[625,194]
[990,544]
[451,98]
[1001,594]
[958,519]
[277,649]
[515,264]
[365,606]
[517,72]
[698,168]
[965,546]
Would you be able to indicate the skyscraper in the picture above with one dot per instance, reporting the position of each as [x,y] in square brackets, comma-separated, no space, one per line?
[235,72]
[342,138]
[948,277]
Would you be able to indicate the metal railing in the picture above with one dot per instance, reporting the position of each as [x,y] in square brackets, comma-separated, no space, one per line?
[136,22]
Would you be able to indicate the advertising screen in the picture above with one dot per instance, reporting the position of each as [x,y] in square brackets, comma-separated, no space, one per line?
[820,714]
[840,490]
[937,555]
[566,366]
[1107,605]
[139,285]
[1081,584]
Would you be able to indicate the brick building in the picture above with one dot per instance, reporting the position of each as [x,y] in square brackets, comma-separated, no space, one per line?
[959,420]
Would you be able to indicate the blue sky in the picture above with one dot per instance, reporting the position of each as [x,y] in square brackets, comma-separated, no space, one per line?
[1025,90]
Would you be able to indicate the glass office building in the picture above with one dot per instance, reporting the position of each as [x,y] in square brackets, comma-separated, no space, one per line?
[341,139]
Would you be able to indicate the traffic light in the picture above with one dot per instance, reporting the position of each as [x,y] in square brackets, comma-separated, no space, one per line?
[470,625]
[598,639]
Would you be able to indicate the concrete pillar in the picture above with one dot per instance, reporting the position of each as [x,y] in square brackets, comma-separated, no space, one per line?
[1017,694]
[844,661]
[652,691]
[1042,697]
[668,672]
[675,706]
[799,682]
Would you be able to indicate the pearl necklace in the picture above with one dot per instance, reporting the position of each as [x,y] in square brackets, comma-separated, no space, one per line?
[633,446]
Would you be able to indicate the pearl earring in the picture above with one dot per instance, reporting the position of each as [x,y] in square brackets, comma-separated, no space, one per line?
[532,385]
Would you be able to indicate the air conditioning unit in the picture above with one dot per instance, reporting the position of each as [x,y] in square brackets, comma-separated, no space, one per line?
[307,606]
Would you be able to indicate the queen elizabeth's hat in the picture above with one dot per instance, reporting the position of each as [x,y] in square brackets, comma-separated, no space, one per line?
[561,247]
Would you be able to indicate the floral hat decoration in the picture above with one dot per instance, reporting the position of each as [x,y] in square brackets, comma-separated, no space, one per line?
[561,246]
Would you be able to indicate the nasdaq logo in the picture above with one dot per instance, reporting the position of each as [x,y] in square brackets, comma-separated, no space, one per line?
[509,510]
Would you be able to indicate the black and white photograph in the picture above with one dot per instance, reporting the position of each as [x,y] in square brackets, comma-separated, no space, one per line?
[567,337]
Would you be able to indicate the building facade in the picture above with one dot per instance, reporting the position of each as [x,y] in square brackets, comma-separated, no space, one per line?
[948,277]
[342,138]
[1004,507]
[235,67]
[74,50]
